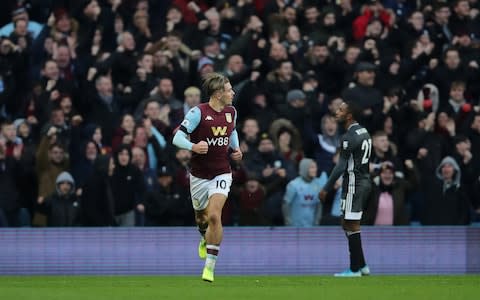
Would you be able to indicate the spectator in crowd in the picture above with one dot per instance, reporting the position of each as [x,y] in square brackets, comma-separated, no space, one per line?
[192,99]
[383,151]
[10,176]
[474,137]
[63,206]
[250,203]
[446,201]
[301,205]
[274,173]
[21,13]
[458,108]
[324,144]
[139,159]
[295,108]
[167,204]
[387,204]
[279,82]
[367,97]
[287,140]
[103,107]
[97,197]
[83,163]
[123,135]
[127,187]
[181,166]
[51,161]
[439,29]
[249,136]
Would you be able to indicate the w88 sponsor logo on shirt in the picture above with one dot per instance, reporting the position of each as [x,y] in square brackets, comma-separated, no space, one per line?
[218,141]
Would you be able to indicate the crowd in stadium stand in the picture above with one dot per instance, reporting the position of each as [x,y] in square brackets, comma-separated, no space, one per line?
[91,92]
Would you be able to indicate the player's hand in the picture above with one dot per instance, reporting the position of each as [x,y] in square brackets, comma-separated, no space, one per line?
[236,154]
[322,195]
[200,147]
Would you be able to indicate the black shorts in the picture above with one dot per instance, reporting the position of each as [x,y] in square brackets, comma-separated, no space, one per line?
[354,200]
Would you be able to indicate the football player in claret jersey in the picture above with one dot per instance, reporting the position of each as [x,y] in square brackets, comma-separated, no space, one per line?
[211,127]
[355,149]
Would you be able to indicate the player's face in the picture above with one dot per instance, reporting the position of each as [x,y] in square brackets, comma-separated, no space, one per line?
[341,113]
[228,93]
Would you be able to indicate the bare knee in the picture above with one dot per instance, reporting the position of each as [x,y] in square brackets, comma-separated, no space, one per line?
[214,219]
[201,217]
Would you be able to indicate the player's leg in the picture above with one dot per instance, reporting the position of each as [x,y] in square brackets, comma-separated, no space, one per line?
[352,207]
[201,219]
[353,233]
[218,190]
[199,194]
[214,234]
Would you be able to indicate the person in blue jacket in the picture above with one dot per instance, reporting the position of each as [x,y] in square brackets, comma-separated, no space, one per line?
[301,205]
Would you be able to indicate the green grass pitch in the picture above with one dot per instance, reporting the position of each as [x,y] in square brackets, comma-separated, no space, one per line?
[239,287]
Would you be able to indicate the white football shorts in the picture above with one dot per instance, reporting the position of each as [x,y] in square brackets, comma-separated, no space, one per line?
[202,189]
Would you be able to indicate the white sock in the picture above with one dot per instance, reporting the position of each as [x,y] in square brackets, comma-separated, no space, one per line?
[212,253]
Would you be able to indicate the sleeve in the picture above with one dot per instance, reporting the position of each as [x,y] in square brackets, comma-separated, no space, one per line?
[191,120]
[234,142]
[345,151]
[289,193]
[188,125]
[181,141]
[287,200]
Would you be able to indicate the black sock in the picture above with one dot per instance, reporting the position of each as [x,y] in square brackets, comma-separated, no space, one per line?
[357,261]
[202,228]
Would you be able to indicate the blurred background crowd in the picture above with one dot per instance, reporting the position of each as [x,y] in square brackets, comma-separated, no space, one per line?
[91,92]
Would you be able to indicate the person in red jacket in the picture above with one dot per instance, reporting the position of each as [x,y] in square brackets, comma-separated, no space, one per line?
[374,9]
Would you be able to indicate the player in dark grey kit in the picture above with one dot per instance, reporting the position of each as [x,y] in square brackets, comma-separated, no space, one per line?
[355,149]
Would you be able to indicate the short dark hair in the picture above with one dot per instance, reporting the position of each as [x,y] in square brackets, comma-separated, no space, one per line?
[214,82]
[448,50]
[56,145]
[458,84]
[354,109]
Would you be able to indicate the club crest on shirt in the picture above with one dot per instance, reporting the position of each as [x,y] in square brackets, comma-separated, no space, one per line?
[228,117]
[185,123]
[345,145]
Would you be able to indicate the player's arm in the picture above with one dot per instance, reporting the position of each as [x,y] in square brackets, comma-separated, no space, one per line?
[235,143]
[336,173]
[338,170]
[188,125]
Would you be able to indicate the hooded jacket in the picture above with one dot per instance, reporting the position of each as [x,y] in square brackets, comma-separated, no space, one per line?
[63,210]
[301,205]
[446,203]
[127,184]
[456,177]
[97,198]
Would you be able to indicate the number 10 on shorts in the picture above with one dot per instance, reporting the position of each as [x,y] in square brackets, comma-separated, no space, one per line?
[221,184]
